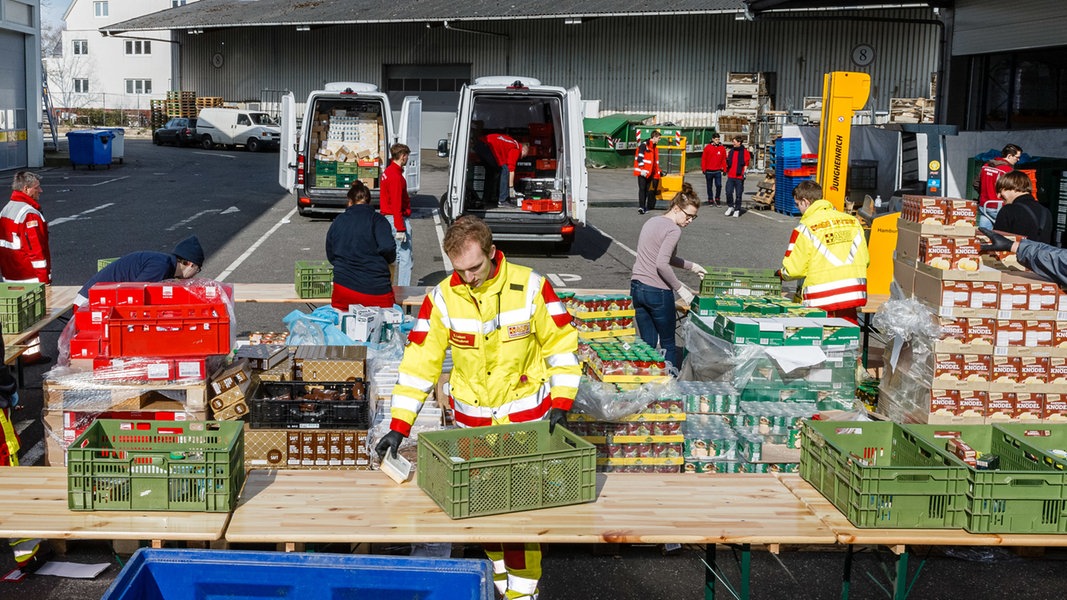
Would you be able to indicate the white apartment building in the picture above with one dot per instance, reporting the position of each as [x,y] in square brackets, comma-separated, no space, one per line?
[112,72]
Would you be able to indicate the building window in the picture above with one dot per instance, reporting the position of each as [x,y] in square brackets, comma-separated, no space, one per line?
[138,47]
[177,3]
[81,46]
[81,86]
[138,86]
[100,8]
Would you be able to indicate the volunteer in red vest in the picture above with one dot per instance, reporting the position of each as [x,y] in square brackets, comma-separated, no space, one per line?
[828,249]
[396,207]
[507,151]
[24,253]
[514,356]
[989,203]
[713,163]
[648,173]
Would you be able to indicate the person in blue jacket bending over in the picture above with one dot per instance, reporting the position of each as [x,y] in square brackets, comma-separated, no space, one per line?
[183,263]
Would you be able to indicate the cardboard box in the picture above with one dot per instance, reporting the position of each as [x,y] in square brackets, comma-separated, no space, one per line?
[800,331]
[985,294]
[1002,406]
[977,367]
[1055,408]
[232,412]
[937,251]
[294,449]
[330,363]
[1010,332]
[948,367]
[962,212]
[839,332]
[1057,370]
[1028,406]
[908,242]
[944,402]
[931,221]
[904,275]
[1034,369]
[263,357]
[238,394]
[1006,369]
[953,331]
[981,330]
[230,377]
[1039,334]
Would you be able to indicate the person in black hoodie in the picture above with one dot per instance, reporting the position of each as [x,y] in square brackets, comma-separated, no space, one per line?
[360,246]
[1022,214]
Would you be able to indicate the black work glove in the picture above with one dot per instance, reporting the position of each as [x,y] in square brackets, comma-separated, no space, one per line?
[997,242]
[390,442]
[556,416]
[778,274]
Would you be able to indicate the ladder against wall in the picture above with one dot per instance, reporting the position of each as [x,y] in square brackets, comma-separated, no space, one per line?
[51,142]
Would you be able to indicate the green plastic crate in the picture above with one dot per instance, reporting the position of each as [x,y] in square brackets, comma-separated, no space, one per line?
[1048,441]
[505,468]
[314,279]
[103,262]
[21,305]
[880,477]
[193,466]
[1025,495]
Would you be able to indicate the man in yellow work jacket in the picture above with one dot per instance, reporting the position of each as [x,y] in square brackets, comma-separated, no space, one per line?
[514,354]
[828,249]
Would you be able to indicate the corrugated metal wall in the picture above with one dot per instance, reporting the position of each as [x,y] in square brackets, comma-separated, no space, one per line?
[664,65]
[984,26]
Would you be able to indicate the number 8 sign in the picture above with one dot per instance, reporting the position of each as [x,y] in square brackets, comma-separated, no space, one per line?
[863,55]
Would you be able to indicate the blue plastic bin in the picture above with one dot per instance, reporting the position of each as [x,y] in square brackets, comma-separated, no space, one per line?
[90,147]
[201,574]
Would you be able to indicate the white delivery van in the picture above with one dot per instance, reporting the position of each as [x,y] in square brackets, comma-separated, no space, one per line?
[345,135]
[552,179]
[235,127]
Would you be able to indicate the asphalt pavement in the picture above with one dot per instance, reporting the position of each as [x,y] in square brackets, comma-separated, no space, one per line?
[251,233]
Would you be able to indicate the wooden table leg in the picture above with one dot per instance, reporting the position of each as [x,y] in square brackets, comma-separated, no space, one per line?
[157,544]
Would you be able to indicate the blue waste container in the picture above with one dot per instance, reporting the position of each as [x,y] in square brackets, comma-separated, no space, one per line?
[118,143]
[90,147]
[184,574]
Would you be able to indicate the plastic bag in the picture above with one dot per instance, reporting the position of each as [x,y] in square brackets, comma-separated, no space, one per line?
[319,328]
[605,403]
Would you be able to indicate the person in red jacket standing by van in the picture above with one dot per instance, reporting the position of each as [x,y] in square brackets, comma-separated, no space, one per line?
[713,163]
[396,207]
[24,253]
[507,151]
[737,161]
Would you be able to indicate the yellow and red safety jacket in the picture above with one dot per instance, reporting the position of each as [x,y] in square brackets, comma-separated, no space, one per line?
[829,250]
[646,161]
[514,350]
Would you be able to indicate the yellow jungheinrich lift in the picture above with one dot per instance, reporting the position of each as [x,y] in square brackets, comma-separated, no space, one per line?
[844,93]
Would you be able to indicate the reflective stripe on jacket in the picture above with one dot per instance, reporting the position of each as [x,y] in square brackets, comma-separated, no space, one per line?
[829,250]
[513,350]
[646,160]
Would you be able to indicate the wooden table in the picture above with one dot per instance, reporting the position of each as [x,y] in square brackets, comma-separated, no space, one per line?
[406,296]
[365,506]
[33,503]
[898,540]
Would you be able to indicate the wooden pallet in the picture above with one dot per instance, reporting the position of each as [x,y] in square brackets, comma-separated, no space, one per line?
[764,197]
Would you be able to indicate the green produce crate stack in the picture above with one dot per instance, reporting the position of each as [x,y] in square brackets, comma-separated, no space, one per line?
[505,468]
[1027,493]
[740,281]
[879,475]
[314,279]
[21,305]
[193,466]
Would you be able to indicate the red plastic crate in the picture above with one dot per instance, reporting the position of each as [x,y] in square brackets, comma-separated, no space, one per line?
[85,345]
[169,330]
[801,172]
[116,294]
[542,206]
[540,129]
[185,293]
[92,320]
[546,164]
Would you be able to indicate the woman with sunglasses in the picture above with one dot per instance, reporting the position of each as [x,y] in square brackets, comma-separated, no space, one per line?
[653,283]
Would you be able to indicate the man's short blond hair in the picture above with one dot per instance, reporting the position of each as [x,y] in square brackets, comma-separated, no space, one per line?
[464,229]
[398,150]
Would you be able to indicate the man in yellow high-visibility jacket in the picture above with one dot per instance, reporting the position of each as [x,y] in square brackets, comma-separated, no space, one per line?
[828,249]
[514,354]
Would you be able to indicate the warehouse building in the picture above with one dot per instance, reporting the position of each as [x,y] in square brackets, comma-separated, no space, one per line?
[21,140]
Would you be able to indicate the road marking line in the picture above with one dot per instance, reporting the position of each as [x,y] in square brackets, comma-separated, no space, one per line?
[62,220]
[230,156]
[192,218]
[615,241]
[111,180]
[240,259]
[556,281]
[439,228]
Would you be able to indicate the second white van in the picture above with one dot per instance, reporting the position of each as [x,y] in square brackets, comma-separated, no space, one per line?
[235,127]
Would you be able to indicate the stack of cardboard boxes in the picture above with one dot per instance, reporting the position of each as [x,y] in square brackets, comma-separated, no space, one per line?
[346,145]
[998,356]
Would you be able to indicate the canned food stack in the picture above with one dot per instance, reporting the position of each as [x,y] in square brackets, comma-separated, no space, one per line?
[647,442]
[602,316]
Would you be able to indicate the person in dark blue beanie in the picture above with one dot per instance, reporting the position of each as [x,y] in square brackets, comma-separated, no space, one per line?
[183,263]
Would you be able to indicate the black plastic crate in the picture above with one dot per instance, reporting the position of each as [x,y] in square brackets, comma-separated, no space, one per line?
[310,405]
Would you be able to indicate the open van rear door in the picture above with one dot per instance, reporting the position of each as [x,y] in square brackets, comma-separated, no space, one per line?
[458,156]
[411,134]
[574,140]
[287,152]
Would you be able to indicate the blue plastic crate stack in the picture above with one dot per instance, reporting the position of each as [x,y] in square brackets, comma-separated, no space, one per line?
[787,156]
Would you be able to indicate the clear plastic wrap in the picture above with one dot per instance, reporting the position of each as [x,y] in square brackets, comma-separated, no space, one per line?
[605,402]
[709,358]
[911,331]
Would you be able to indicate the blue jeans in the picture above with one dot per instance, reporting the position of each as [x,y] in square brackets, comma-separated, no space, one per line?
[504,187]
[714,178]
[987,216]
[403,254]
[735,188]
[654,313]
